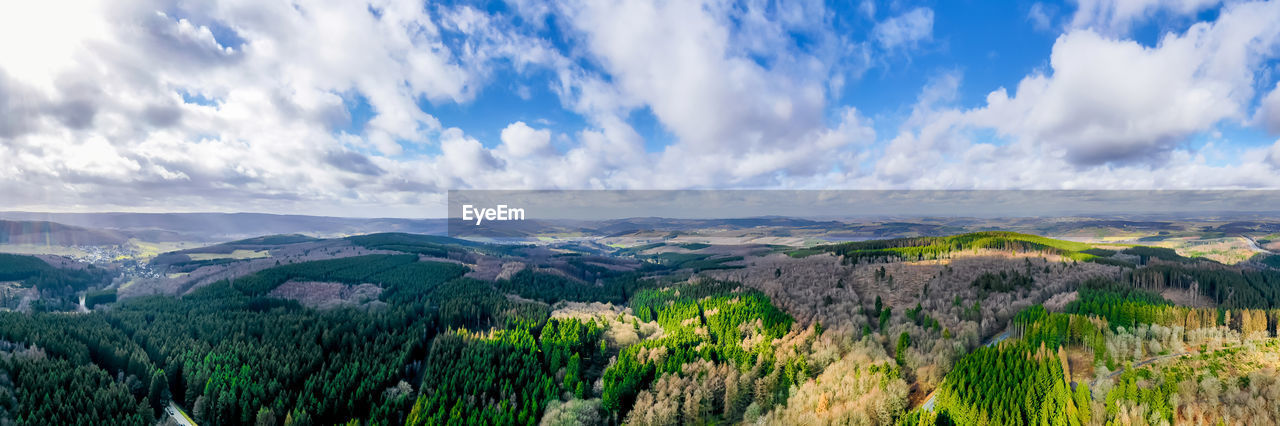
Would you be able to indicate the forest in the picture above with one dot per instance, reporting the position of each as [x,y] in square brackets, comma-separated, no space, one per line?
[1237,288]
[1031,388]
[920,248]
[682,338]
[445,347]
[1114,325]
[57,286]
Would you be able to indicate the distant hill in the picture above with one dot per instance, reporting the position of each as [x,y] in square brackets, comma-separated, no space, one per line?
[109,228]
[228,226]
[639,225]
[51,233]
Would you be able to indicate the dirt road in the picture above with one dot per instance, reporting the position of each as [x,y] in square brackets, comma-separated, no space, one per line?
[1142,363]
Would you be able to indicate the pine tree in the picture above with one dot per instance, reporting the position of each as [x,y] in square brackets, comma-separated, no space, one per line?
[265,417]
[904,342]
[159,392]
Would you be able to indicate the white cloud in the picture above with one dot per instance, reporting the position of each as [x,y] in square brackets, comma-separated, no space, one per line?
[928,134]
[1268,114]
[520,140]
[99,115]
[38,38]
[1109,113]
[464,157]
[1116,17]
[95,108]
[730,84]
[1110,100]
[906,29]
[1273,156]
[1042,16]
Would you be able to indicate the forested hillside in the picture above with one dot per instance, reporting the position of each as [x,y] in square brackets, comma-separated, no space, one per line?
[57,287]
[989,328]
[921,248]
[1115,327]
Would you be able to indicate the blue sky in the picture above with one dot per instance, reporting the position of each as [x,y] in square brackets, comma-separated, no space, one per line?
[991,47]
[377,108]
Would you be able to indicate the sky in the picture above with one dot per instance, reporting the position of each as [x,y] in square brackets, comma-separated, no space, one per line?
[376,109]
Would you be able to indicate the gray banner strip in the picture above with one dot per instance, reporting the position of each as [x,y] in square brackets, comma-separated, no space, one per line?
[521,213]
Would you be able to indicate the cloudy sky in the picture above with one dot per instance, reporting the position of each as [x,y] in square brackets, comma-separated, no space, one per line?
[375,109]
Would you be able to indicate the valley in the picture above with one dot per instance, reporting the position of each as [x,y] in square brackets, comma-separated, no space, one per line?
[707,325]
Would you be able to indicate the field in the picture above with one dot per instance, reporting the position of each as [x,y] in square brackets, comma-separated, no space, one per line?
[1230,250]
[43,249]
[237,254]
[150,249]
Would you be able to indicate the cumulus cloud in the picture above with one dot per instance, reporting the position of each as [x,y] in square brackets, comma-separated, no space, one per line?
[1108,113]
[729,83]
[465,156]
[252,105]
[928,135]
[1268,114]
[127,101]
[1116,101]
[238,101]
[520,140]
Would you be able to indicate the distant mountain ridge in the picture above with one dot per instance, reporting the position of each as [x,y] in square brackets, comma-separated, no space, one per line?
[116,228]
[225,226]
[51,233]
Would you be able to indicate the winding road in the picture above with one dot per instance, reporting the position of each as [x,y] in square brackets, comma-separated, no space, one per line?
[1254,245]
[992,341]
